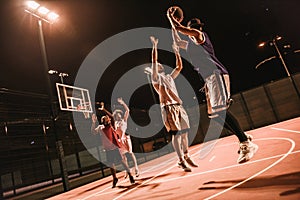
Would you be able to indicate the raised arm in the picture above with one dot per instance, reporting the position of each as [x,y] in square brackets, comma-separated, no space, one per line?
[95,129]
[154,58]
[176,38]
[102,108]
[183,29]
[126,114]
[178,68]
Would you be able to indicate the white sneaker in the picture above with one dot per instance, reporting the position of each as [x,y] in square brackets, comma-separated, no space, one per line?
[247,150]
[249,137]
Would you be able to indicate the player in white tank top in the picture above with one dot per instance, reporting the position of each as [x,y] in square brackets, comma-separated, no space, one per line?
[121,127]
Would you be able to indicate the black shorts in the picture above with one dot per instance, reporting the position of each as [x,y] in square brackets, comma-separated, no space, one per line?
[113,156]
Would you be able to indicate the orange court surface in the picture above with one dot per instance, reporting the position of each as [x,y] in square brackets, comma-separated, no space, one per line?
[273,172]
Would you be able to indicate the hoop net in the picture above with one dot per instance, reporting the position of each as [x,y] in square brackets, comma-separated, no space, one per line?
[84,109]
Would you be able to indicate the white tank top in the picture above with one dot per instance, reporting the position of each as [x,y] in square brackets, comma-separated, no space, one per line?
[121,126]
[166,88]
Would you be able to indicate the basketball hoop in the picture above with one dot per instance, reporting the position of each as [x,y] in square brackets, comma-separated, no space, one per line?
[74,99]
[84,109]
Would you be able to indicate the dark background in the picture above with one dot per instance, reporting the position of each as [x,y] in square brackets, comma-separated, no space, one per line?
[235,28]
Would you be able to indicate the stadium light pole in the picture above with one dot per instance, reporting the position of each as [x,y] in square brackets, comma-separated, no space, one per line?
[43,14]
[273,43]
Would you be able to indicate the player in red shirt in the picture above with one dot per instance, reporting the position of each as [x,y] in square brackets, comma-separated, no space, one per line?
[111,145]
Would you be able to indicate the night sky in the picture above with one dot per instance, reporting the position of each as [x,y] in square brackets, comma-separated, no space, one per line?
[235,28]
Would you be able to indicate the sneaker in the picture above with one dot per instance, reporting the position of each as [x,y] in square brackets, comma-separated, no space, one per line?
[190,162]
[131,179]
[184,167]
[247,150]
[137,172]
[249,137]
[115,182]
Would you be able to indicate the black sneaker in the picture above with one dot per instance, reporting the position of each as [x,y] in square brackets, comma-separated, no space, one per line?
[190,162]
[137,172]
[184,167]
[115,182]
[131,179]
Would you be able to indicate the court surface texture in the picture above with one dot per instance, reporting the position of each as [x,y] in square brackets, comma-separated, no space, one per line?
[273,172]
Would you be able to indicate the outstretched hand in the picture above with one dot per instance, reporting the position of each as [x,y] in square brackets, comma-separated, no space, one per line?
[171,11]
[120,100]
[101,106]
[153,40]
[170,16]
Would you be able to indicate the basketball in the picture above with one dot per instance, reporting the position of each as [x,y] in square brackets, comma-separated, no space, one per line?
[177,13]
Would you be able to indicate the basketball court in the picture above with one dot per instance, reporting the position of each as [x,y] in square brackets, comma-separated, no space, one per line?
[273,172]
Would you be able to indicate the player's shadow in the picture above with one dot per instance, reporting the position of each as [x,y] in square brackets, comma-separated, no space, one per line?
[95,187]
[140,183]
[290,192]
[264,181]
[159,194]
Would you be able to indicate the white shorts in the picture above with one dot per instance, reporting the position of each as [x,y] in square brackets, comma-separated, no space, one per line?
[126,145]
[175,117]
[217,91]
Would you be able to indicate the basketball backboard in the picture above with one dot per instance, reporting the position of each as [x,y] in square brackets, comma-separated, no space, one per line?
[73,98]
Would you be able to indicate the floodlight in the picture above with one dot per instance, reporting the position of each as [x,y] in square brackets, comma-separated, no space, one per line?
[43,10]
[52,16]
[32,5]
[262,44]
[51,71]
[272,42]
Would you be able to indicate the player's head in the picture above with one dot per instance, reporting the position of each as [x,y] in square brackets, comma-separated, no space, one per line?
[177,13]
[105,120]
[118,114]
[195,23]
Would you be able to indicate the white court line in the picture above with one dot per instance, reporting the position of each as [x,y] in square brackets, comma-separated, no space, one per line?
[91,195]
[237,165]
[287,130]
[166,162]
[260,172]
[219,169]
[212,158]
[228,167]
[207,147]
[143,183]
[158,165]
[102,192]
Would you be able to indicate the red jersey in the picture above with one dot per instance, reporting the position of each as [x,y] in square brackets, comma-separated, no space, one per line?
[110,139]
